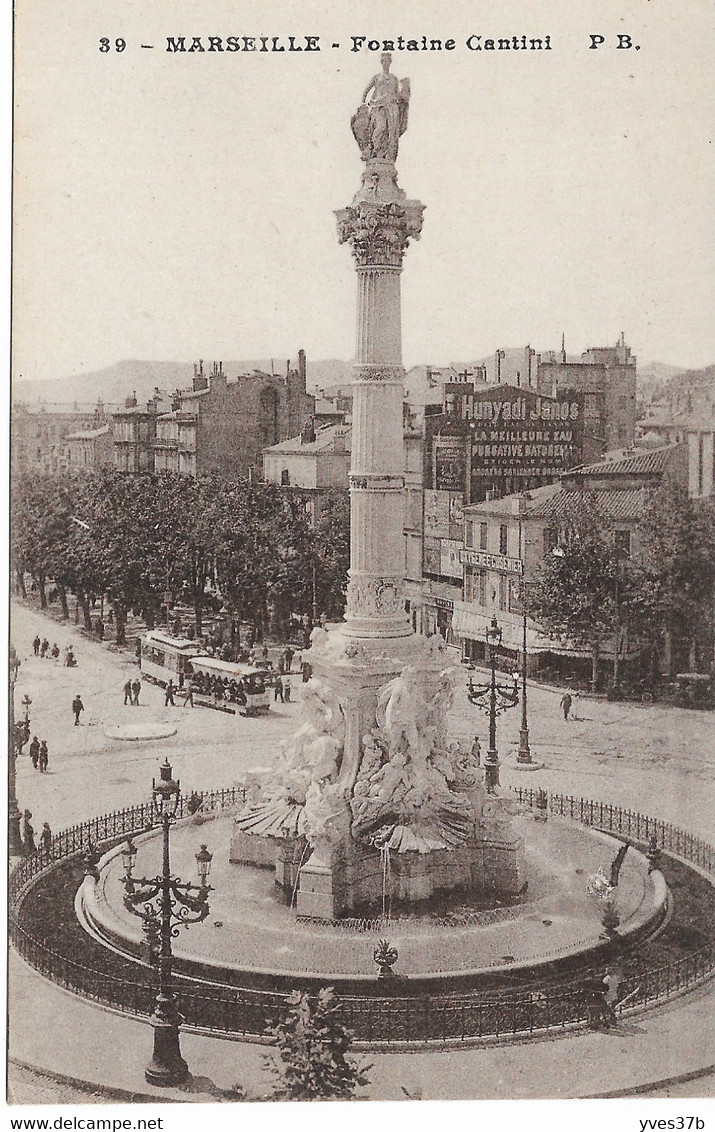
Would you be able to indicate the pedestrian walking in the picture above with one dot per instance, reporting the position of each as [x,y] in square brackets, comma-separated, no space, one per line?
[476,752]
[44,647]
[289,654]
[44,756]
[127,693]
[36,646]
[27,833]
[136,689]
[77,708]
[35,751]
[286,691]
[169,694]
[566,702]
[46,838]
[281,664]
[55,651]
[189,697]
[264,652]
[278,690]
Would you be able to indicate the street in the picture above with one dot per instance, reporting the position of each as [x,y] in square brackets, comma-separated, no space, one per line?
[659,760]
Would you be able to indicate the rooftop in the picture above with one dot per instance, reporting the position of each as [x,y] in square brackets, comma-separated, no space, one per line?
[510,505]
[553,501]
[89,434]
[616,504]
[637,463]
[324,442]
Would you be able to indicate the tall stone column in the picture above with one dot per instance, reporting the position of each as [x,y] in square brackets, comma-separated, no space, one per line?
[378,225]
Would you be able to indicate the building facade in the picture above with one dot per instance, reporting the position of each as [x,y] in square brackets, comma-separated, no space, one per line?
[90,449]
[222,424]
[39,435]
[605,378]
[133,435]
[506,542]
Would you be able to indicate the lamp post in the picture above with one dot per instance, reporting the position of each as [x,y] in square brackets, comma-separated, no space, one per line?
[19,733]
[523,755]
[493,698]
[166,904]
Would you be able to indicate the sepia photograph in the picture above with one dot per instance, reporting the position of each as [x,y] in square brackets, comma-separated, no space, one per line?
[361,558]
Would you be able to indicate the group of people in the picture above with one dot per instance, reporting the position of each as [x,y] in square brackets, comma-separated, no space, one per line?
[42,649]
[218,687]
[281,689]
[132,688]
[39,754]
[187,691]
[27,835]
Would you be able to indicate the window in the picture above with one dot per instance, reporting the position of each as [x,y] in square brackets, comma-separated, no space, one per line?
[503,540]
[475,585]
[285,477]
[482,536]
[482,587]
[468,583]
[623,543]
[551,539]
[503,590]
[515,605]
[469,534]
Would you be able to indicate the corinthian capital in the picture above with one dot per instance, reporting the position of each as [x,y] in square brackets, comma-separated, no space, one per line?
[378,234]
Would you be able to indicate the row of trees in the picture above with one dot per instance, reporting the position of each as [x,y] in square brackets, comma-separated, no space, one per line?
[133,539]
[591,590]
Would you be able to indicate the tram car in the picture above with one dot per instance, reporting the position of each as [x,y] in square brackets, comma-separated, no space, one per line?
[231,685]
[164,658]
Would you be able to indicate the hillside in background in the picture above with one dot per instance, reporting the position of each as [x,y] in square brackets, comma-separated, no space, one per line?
[116,382]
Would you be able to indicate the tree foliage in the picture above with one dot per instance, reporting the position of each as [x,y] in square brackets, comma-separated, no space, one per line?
[312,1059]
[589,592]
[676,576]
[584,592]
[207,542]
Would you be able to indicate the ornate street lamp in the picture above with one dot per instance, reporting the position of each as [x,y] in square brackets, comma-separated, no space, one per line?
[19,733]
[165,904]
[523,756]
[493,699]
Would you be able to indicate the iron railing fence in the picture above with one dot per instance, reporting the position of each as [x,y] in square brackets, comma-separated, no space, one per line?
[627,823]
[399,1018]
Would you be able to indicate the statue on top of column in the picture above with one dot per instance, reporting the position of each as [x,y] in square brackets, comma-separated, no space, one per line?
[378,125]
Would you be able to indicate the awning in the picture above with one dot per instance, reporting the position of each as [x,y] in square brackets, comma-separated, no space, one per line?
[467,623]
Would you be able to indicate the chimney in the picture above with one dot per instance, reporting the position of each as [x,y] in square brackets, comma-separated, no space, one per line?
[131,402]
[218,377]
[302,368]
[200,380]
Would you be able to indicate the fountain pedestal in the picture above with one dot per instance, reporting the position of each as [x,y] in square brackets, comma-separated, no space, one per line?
[369,776]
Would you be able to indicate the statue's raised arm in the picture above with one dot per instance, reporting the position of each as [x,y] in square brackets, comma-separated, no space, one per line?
[378,125]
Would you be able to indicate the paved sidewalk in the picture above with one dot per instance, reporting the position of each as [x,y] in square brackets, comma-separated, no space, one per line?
[108,1051]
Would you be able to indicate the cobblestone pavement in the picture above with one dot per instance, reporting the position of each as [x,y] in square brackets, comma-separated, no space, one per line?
[656,759]
[25,1086]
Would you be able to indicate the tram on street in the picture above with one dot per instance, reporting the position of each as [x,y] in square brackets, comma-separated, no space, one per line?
[164,658]
[231,683]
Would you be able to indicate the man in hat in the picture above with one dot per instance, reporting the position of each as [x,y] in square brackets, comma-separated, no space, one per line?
[77,708]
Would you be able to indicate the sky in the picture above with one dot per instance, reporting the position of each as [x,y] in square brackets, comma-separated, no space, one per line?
[175,206]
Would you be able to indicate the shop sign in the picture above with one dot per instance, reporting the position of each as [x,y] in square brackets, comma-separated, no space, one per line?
[500,562]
